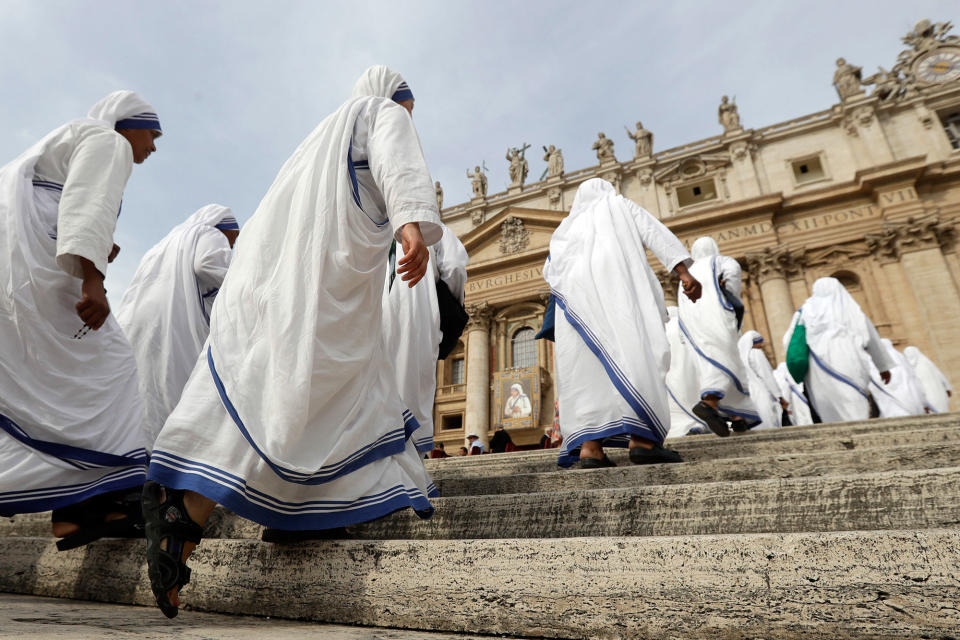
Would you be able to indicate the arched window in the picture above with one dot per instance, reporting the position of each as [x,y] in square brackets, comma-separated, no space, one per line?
[524,348]
[852,284]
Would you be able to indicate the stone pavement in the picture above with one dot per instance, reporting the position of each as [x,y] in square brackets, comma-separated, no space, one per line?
[33,618]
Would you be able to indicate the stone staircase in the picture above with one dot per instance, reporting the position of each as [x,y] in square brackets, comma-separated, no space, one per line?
[835,531]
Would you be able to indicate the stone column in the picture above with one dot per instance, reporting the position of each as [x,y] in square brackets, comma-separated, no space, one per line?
[477,418]
[770,268]
[919,241]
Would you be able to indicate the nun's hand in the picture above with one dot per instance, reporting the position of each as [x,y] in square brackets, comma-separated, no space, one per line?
[691,286]
[93,307]
[413,264]
[113,253]
[885,376]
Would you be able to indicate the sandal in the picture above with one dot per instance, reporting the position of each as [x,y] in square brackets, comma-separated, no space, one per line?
[90,515]
[167,520]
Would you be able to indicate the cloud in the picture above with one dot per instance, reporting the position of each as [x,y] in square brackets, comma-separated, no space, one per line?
[239,83]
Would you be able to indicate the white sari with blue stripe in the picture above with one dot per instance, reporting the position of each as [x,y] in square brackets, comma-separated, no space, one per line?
[710,327]
[682,386]
[411,320]
[841,340]
[70,414]
[165,311]
[612,352]
[292,417]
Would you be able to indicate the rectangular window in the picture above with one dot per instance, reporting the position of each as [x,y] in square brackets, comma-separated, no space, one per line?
[807,170]
[457,372]
[452,421]
[696,193]
[951,124]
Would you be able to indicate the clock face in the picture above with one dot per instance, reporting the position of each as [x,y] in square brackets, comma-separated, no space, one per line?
[939,66]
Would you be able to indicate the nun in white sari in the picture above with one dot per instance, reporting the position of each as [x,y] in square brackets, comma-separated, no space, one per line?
[904,395]
[840,338]
[936,386]
[70,415]
[165,311]
[764,390]
[792,391]
[411,321]
[682,387]
[292,417]
[712,329]
[612,352]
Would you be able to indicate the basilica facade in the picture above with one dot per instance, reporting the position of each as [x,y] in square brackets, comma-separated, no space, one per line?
[867,191]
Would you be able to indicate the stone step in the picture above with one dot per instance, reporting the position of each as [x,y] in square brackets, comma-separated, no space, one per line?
[887,500]
[791,465]
[502,465]
[858,585]
[688,444]
[616,502]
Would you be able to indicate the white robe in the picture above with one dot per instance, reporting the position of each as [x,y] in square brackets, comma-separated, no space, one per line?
[764,390]
[165,311]
[611,349]
[839,337]
[70,414]
[683,386]
[935,384]
[904,395]
[411,321]
[292,417]
[792,392]
[710,326]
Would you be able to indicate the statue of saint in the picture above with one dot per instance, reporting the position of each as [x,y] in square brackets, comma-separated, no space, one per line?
[604,148]
[439,190]
[554,158]
[642,139]
[728,115]
[478,179]
[847,79]
[518,166]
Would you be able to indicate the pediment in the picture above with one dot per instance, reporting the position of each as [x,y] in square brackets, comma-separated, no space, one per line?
[516,233]
[692,168]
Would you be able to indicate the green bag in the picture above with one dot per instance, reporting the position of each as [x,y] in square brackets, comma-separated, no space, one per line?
[798,353]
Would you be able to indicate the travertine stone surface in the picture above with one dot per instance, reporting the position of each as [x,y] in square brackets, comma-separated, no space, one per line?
[713,443]
[34,618]
[503,464]
[791,465]
[858,585]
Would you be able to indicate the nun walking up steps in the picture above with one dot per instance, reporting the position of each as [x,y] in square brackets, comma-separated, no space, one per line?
[71,433]
[712,328]
[292,417]
[840,338]
[165,311]
[612,351]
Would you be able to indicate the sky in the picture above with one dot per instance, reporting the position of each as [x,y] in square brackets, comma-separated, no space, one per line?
[238,84]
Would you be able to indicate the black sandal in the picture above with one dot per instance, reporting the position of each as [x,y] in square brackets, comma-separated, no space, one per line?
[90,515]
[167,520]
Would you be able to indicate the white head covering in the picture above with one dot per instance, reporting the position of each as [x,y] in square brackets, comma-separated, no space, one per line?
[746,343]
[589,193]
[704,247]
[913,356]
[381,81]
[831,305]
[519,389]
[125,110]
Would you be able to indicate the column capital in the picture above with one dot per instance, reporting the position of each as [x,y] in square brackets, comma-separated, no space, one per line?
[775,262]
[480,314]
[913,234]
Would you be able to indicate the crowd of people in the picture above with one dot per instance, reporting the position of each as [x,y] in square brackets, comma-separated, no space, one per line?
[289,372]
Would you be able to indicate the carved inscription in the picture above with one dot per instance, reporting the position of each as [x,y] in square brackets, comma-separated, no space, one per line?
[495,282]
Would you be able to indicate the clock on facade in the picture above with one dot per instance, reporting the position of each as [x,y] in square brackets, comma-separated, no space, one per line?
[942,65]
